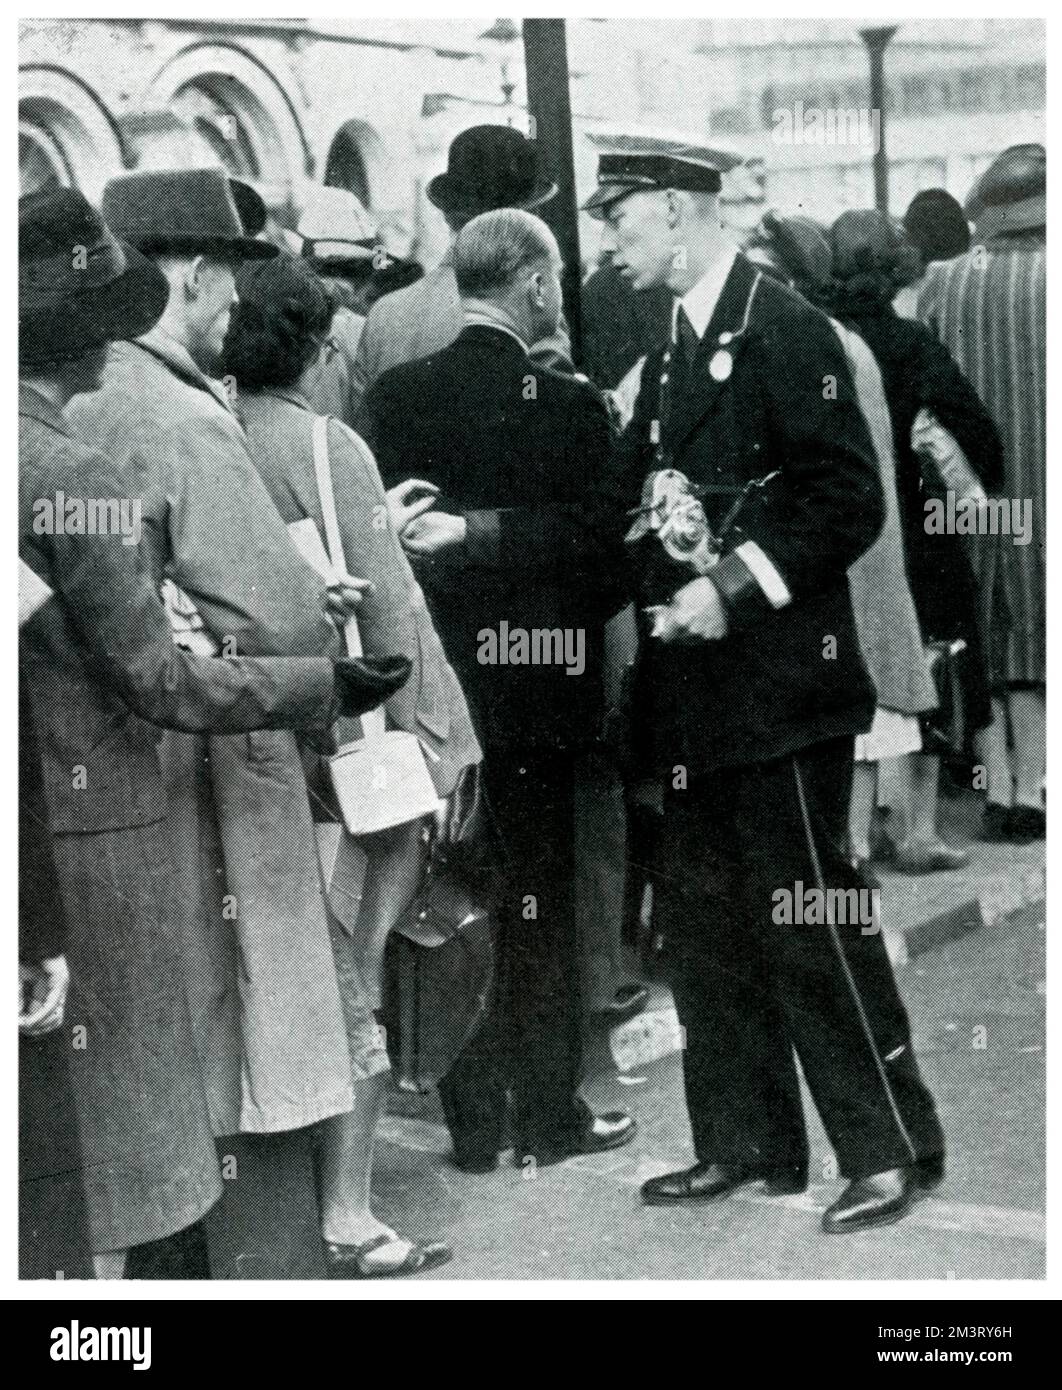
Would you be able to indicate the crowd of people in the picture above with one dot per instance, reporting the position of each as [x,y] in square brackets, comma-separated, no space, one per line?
[760,654]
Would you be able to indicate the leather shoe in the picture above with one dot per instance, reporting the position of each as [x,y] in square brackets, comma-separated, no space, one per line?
[930,1172]
[708,1182]
[877,1200]
[608,1131]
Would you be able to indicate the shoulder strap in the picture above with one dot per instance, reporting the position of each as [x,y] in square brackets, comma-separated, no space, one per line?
[333,538]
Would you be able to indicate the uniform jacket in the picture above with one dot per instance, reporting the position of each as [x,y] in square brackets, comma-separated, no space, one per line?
[782,678]
[393,619]
[424,318]
[265,999]
[511,444]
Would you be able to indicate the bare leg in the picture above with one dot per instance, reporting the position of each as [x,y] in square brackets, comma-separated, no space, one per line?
[109,1264]
[861,808]
[993,753]
[345,1174]
[919,848]
[923,785]
[1028,721]
[393,875]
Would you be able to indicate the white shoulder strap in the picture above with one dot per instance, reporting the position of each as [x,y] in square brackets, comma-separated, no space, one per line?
[333,538]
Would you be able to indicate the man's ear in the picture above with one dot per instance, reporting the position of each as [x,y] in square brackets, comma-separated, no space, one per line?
[193,277]
[674,209]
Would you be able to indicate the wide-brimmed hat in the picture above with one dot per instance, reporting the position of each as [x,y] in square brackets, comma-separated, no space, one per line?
[78,286]
[490,167]
[1011,195]
[182,212]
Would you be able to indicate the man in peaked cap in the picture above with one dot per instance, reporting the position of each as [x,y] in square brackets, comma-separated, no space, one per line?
[99,668]
[161,413]
[490,167]
[749,694]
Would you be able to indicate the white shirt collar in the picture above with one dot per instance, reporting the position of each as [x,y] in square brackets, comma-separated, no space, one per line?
[699,302]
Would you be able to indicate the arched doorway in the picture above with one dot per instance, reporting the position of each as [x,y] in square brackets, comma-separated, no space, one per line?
[240,111]
[66,136]
[345,167]
[357,159]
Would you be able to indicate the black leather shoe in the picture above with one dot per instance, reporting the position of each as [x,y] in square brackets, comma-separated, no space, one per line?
[930,1172]
[608,1131]
[877,1200]
[708,1182]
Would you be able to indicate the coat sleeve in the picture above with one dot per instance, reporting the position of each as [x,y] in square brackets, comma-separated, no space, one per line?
[578,537]
[232,554]
[111,596]
[824,507]
[366,368]
[945,391]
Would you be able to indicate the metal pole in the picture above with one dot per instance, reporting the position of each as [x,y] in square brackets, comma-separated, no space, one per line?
[550,108]
[877,40]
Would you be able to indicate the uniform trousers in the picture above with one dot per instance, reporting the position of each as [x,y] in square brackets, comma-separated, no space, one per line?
[739,846]
[530,1045]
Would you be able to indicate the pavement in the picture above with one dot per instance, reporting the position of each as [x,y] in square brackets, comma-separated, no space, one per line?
[975,993]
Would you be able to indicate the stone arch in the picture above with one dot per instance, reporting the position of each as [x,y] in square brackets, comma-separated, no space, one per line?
[240,110]
[66,134]
[357,157]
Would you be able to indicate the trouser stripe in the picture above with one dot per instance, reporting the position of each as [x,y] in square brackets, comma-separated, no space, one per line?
[838,946]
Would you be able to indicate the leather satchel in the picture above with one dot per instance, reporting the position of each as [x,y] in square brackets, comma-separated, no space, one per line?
[439,960]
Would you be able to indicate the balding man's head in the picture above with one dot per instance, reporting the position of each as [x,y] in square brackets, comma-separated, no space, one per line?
[509,260]
[494,249]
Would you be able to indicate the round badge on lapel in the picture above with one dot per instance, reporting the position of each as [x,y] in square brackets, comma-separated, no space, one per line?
[721,365]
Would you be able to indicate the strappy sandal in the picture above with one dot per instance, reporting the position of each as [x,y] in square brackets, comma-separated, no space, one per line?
[349,1261]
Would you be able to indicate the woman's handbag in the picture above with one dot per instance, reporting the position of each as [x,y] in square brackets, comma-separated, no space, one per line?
[380,780]
[438,973]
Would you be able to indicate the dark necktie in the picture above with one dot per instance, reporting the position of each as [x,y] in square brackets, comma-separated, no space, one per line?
[686,339]
[682,355]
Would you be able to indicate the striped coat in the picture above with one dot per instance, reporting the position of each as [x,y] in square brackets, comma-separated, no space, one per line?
[989,309]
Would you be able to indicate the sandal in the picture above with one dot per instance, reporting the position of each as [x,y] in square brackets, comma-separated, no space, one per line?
[349,1261]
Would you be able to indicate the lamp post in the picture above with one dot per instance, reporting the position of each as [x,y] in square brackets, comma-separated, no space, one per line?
[877,40]
[549,106]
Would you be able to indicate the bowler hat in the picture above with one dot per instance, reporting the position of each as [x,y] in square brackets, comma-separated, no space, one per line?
[490,167]
[180,211]
[1011,195]
[78,286]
